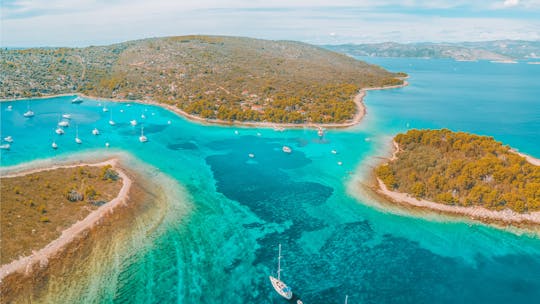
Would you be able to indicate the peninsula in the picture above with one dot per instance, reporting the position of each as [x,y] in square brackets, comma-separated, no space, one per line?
[42,210]
[214,78]
[464,174]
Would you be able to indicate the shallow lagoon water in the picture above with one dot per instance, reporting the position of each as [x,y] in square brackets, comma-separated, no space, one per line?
[225,248]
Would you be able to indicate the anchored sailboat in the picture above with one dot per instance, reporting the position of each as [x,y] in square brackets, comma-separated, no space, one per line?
[142,138]
[281,288]
[77,139]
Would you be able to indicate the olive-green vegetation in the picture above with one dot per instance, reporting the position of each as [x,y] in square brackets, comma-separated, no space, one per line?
[37,207]
[462,169]
[212,77]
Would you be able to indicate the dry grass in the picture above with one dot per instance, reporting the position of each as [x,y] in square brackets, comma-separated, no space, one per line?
[35,208]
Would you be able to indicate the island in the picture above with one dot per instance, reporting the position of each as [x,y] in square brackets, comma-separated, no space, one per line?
[47,216]
[213,78]
[463,174]
[497,51]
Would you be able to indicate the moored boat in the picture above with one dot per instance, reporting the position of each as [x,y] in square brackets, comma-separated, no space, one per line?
[142,138]
[77,100]
[286,149]
[281,288]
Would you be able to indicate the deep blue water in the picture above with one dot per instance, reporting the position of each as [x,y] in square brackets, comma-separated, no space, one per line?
[334,244]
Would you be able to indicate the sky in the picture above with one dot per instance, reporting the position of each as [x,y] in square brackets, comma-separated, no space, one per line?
[34,23]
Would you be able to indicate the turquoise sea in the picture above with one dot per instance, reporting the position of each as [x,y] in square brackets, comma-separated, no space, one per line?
[334,243]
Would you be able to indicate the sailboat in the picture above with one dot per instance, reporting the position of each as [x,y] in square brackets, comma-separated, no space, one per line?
[281,288]
[95,131]
[142,138]
[77,139]
[28,113]
[54,145]
[111,121]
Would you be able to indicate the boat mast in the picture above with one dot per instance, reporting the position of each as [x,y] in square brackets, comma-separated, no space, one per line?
[279,262]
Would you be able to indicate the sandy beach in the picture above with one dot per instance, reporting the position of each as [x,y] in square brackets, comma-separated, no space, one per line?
[358,100]
[475,213]
[25,264]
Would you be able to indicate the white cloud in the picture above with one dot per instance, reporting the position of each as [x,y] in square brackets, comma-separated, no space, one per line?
[84,22]
[510,3]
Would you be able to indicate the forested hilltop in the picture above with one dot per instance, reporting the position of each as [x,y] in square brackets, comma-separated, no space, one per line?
[213,77]
[462,169]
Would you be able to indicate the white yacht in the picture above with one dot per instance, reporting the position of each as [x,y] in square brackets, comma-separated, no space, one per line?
[66,116]
[77,139]
[54,145]
[59,131]
[286,149]
[29,113]
[95,131]
[143,138]
[320,132]
[281,288]
[9,139]
[133,122]
[76,100]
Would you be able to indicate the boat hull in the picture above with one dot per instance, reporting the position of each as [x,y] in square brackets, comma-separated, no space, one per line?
[281,288]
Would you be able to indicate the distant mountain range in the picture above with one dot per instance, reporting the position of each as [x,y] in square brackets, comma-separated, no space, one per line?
[500,50]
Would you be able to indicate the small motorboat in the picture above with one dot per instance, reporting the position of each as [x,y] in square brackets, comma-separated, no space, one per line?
[9,108]
[9,139]
[59,131]
[251,155]
[286,149]
[95,131]
[76,100]
[54,145]
[63,123]
[334,152]
[29,114]
[5,146]
[107,144]
[66,116]
[133,122]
